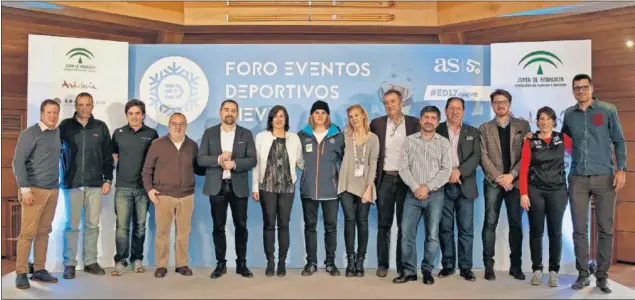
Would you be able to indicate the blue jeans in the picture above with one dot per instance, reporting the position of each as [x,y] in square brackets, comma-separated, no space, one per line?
[130,204]
[457,207]
[88,200]
[413,209]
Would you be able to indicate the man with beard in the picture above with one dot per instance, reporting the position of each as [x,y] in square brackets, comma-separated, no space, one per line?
[228,152]
[501,146]
[426,165]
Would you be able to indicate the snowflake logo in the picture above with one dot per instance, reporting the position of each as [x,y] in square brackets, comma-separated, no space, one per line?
[174,84]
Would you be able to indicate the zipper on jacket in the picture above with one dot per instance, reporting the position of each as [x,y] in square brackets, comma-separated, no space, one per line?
[83,152]
[317,169]
[178,152]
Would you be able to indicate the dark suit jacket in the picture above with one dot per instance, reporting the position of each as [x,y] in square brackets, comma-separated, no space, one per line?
[491,153]
[378,127]
[469,152]
[243,154]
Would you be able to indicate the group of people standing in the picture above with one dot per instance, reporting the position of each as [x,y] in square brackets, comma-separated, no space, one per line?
[407,166]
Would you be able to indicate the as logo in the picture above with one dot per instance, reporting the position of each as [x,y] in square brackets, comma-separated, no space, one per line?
[538,57]
[174,84]
[79,53]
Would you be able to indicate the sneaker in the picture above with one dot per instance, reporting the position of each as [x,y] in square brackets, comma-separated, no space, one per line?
[137,267]
[43,276]
[554,279]
[309,269]
[119,269]
[537,278]
[22,282]
[332,270]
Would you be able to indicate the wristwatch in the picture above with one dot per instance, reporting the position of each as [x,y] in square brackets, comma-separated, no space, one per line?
[108,182]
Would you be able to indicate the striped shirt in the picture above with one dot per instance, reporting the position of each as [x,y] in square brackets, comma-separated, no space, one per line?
[426,161]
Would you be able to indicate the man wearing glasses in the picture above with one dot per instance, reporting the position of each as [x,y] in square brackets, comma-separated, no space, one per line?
[392,130]
[501,145]
[594,127]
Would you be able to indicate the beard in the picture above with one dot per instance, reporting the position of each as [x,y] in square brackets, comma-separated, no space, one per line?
[229,120]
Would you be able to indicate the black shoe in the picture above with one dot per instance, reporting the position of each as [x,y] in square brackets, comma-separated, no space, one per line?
[220,270]
[350,266]
[309,269]
[468,275]
[185,271]
[282,269]
[428,279]
[22,282]
[445,272]
[94,269]
[490,274]
[270,270]
[43,276]
[332,269]
[604,285]
[69,272]
[581,282]
[243,271]
[517,273]
[160,272]
[382,272]
[403,279]
[359,267]
[31,269]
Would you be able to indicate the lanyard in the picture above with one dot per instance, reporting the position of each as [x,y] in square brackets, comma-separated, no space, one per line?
[355,150]
[394,129]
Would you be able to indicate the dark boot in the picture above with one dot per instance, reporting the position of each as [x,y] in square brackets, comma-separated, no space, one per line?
[359,266]
[282,268]
[220,270]
[350,267]
[270,269]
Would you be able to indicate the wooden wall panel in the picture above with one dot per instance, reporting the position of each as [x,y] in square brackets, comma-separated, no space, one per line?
[308,38]
[626,250]
[9,187]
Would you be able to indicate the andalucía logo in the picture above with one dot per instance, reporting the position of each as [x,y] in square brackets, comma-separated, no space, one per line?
[79,58]
[174,84]
[540,57]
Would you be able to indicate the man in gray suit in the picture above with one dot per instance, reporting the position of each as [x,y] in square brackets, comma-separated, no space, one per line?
[501,146]
[228,152]
[460,192]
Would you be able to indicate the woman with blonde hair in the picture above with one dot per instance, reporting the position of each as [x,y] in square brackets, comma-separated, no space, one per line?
[356,186]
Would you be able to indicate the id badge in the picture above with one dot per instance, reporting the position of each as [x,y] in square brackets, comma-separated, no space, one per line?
[308,147]
[359,170]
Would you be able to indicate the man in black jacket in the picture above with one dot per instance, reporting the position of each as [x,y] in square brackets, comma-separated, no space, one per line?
[88,171]
[460,191]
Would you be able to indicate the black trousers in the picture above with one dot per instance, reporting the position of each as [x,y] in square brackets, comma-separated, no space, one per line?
[355,218]
[219,203]
[549,204]
[456,207]
[276,207]
[310,211]
[391,196]
[494,196]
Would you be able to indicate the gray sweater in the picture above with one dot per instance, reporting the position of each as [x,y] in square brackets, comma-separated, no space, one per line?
[357,185]
[36,160]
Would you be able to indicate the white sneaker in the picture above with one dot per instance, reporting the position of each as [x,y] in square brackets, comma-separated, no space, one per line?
[537,278]
[554,279]
[137,267]
[119,269]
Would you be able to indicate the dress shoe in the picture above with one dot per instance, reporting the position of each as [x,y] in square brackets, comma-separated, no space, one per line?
[220,270]
[382,272]
[403,278]
[43,276]
[490,274]
[359,267]
[184,270]
[581,282]
[242,270]
[350,266]
[94,269]
[332,270]
[282,269]
[271,269]
[468,275]
[69,272]
[517,273]
[445,272]
[604,285]
[160,272]
[428,279]
[309,269]
[22,282]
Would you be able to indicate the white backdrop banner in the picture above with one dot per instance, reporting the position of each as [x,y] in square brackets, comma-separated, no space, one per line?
[538,74]
[61,67]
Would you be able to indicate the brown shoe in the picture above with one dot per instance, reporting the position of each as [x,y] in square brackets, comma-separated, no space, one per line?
[185,271]
[160,272]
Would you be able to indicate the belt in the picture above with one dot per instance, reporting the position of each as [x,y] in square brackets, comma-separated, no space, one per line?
[392,173]
[227,180]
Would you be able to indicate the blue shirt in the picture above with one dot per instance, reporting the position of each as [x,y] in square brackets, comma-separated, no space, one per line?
[593,132]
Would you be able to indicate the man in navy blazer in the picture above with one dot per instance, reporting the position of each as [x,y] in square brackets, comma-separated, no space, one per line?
[228,152]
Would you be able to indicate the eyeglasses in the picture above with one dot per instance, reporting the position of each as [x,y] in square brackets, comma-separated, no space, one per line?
[583,88]
[501,103]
